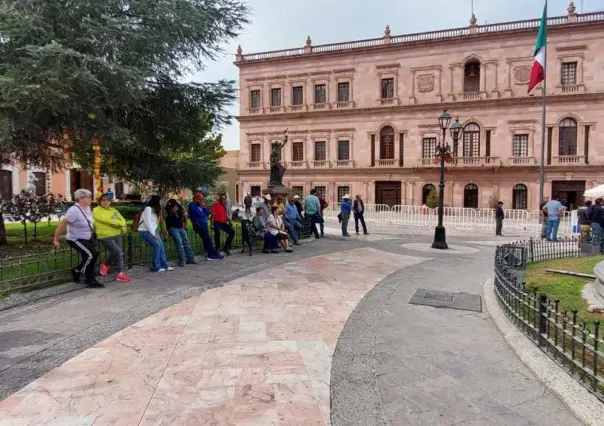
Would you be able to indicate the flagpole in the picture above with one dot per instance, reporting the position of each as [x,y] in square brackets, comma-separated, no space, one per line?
[542,163]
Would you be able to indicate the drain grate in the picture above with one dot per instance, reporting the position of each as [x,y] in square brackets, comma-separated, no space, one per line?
[443,299]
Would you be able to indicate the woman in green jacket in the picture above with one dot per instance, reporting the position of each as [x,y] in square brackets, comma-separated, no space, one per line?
[109,226]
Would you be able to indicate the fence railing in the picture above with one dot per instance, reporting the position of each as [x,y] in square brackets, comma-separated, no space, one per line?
[574,344]
[480,220]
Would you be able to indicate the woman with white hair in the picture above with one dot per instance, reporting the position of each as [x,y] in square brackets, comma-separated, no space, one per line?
[78,221]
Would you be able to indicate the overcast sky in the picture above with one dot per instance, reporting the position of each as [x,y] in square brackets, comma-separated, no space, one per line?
[282,24]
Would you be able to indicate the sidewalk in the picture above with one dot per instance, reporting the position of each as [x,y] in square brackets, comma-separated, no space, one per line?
[260,349]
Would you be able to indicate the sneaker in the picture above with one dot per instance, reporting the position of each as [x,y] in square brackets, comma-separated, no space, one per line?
[216,257]
[169,268]
[95,284]
[161,270]
[288,250]
[105,270]
[122,276]
[296,243]
[75,275]
[274,251]
[191,262]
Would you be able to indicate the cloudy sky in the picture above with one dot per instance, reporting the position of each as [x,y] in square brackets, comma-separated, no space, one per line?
[282,24]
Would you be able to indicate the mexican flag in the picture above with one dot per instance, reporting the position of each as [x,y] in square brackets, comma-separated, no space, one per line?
[538,70]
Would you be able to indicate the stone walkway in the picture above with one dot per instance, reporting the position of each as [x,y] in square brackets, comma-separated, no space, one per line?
[258,351]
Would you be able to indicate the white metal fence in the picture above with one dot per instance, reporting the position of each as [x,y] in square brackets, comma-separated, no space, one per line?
[479,220]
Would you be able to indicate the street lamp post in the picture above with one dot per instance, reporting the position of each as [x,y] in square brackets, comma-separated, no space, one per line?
[443,152]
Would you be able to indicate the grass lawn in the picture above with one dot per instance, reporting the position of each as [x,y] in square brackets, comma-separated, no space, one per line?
[565,288]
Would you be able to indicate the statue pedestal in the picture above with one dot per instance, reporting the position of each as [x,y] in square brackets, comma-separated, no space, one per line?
[276,191]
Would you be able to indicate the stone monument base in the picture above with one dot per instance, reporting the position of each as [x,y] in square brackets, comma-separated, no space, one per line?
[276,191]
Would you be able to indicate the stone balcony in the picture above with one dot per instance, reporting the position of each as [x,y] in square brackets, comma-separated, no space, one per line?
[260,165]
[276,109]
[568,159]
[570,88]
[343,104]
[522,161]
[321,106]
[344,164]
[298,108]
[297,165]
[463,162]
[321,164]
[387,162]
[257,110]
[388,101]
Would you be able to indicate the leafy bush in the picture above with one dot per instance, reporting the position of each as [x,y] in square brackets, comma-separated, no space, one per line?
[433,199]
[128,211]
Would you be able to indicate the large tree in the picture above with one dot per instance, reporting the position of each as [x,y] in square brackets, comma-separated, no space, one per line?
[113,70]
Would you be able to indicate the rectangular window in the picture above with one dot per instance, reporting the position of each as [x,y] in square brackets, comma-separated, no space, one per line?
[549,145]
[344,91]
[255,99]
[568,73]
[276,97]
[586,148]
[298,190]
[429,148]
[320,151]
[255,153]
[321,191]
[298,95]
[487,143]
[401,149]
[255,191]
[520,146]
[372,151]
[320,93]
[343,190]
[298,151]
[387,91]
[343,150]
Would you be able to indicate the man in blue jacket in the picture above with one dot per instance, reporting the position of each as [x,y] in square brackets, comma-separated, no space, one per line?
[345,209]
[198,214]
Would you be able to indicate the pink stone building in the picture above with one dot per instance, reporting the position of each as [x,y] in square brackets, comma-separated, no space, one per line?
[362,115]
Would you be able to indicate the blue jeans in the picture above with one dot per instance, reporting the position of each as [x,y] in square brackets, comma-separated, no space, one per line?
[345,219]
[293,226]
[552,228]
[206,240]
[597,234]
[181,241]
[158,260]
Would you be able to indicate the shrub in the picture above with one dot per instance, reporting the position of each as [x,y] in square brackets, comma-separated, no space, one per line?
[432,199]
[128,211]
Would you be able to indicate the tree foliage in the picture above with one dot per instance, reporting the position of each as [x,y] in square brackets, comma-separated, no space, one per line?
[432,199]
[113,70]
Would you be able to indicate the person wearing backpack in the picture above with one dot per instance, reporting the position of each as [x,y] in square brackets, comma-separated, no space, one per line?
[109,226]
[148,229]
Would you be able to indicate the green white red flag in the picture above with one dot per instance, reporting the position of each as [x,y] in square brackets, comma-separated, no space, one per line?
[538,70]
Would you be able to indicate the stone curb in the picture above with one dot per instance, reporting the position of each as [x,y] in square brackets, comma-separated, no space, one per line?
[582,403]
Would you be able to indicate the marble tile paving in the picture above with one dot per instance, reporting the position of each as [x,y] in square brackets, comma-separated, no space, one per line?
[256,351]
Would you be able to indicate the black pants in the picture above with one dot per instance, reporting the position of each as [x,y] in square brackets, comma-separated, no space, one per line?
[230,235]
[89,255]
[357,218]
[498,225]
[314,219]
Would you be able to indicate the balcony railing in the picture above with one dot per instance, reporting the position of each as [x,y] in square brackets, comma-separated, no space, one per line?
[297,164]
[476,161]
[422,37]
[470,96]
[274,109]
[522,161]
[571,88]
[389,162]
[388,101]
[297,108]
[427,162]
[257,110]
[256,165]
[569,159]
[344,163]
[321,164]
[344,104]
[320,106]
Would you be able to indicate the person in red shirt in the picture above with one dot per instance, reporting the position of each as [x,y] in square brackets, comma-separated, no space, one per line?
[220,222]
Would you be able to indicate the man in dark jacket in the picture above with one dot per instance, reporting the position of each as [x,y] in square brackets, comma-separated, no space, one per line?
[358,210]
[247,202]
[499,216]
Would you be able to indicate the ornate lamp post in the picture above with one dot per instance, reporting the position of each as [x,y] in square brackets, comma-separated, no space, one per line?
[443,155]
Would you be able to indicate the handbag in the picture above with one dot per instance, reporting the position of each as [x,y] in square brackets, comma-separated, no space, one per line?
[93,238]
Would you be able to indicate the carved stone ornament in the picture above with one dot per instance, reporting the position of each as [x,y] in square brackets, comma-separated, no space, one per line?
[522,75]
[425,82]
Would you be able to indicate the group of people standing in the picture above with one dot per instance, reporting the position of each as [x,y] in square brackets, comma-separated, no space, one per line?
[104,223]
[591,221]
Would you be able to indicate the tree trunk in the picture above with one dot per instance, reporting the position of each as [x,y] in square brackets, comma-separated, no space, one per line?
[3,240]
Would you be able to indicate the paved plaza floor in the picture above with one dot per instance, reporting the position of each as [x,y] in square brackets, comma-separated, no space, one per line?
[323,336]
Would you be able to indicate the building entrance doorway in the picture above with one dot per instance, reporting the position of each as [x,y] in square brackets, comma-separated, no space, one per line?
[570,192]
[80,179]
[388,193]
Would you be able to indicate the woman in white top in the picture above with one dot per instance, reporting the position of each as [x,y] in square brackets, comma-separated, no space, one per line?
[148,229]
[277,228]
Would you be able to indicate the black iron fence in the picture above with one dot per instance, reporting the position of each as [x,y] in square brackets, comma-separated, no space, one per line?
[36,271]
[574,344]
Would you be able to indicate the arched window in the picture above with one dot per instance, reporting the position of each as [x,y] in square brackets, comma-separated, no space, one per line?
[471,76]
[470,196]
[471,140]
[567,137]
[426,191]
[387,143]
[40,183]
[520,197]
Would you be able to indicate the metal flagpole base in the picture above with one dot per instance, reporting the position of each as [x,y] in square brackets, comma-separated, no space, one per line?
[440,238]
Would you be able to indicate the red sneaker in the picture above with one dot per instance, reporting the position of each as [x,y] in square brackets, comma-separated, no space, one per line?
[123,277]
[104,270]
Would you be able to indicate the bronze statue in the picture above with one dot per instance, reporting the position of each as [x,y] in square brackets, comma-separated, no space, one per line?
[277,169]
